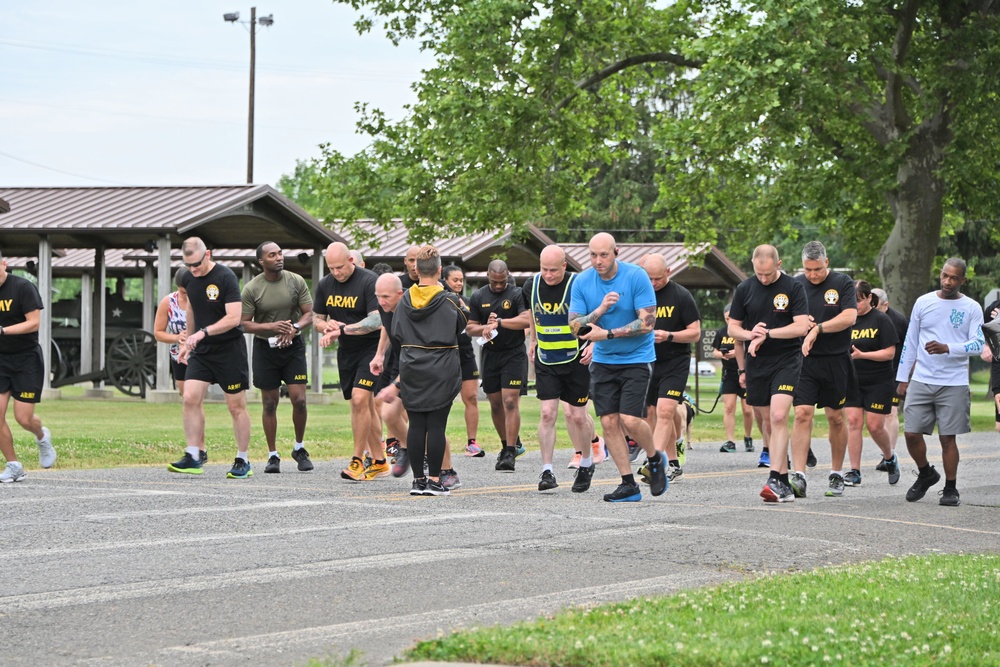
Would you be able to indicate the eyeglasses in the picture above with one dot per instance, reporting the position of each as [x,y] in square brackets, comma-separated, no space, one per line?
[195,265]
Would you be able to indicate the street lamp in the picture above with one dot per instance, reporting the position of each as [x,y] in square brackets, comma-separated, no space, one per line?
[267,22]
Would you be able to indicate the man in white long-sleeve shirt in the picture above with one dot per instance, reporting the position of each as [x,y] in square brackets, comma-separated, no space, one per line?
[945,330]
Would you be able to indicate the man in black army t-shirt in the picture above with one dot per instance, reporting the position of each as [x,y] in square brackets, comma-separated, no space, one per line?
[22,370]
[678,324]
[770,314]
[215,353]
[498,312]
[827,369]
[345,310]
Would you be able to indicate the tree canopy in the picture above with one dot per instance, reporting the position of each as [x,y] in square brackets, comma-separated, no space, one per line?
[868,121]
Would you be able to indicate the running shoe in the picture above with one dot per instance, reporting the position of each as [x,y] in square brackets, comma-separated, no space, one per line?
[506,462]
[625,493]
[418,487]
[633,450]
[367,461]
[811,459]
[187,464]
[728,447]
[852,477]
[883,466]
[473,449]
[203,457]
[598,449]
[401,464]
[657,474]
[46,452]
[674,473]
[923,484]
[892,467]
[435,489]
[681,451]
[575,461]
[391,447]
[14,472]
[765,459]
[776,491]
[520,450]
[583,478]
[836,488]
[241,469]
[949,497]
[354,471]
[450,480]
[547,481]
[376,470]
[748,443]
[273,464]
[798,483]
[301,456]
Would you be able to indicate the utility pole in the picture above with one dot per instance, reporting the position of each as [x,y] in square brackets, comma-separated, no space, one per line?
[266,21]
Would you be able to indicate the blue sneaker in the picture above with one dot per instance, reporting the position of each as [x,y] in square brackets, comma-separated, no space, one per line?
[241,469]
[765,459]
[520,450]
[657,474]
[625,493]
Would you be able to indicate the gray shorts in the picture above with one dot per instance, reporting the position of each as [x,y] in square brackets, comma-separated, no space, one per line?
[927,404]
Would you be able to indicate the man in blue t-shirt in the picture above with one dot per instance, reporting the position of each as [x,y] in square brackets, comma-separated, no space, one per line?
[613,305]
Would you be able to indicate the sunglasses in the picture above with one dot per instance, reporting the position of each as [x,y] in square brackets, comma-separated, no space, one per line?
[195,265]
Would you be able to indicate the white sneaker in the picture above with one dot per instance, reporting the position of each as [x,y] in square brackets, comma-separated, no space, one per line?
[599,452]
[12,473]
[46,452]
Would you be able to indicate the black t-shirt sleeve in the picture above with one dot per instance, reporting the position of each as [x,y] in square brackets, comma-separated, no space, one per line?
[799,305]
[231,288]
[475,308]
[689,309]
[319,299]
[738,310]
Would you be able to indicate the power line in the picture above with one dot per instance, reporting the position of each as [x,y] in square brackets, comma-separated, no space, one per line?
[58,171]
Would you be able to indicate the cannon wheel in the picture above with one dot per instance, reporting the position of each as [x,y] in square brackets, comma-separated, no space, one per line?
[57,365]
[131,362]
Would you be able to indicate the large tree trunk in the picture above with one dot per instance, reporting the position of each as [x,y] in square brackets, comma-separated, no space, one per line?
[907,256]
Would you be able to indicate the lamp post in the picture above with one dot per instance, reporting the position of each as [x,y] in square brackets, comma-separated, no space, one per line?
[267,22]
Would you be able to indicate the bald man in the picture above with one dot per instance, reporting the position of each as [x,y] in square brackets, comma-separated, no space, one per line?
[498,313]
[561,372]
[678,324]
[410,277]
[770,315]
[346,311]
[613,306]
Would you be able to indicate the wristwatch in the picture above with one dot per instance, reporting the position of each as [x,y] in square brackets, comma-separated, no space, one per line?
[670,337]
[1,331]
[741,371]
[498,322]
[611,334]
[342,331]
[295,325]
[204,330]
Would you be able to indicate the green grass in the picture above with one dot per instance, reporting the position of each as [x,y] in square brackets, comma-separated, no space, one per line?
[912,611]
[94,433]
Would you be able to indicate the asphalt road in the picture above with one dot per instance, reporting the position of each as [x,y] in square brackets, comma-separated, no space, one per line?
[137,566]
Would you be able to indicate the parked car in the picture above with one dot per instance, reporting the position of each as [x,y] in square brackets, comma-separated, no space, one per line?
[701,367]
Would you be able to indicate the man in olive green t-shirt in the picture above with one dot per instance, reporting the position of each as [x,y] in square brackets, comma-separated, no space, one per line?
[277,305]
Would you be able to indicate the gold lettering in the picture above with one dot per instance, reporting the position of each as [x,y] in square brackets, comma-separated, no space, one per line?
[6,304]
[664,311]
[786,387]
[338,301]
[878,406]
[27,394]
[366,383]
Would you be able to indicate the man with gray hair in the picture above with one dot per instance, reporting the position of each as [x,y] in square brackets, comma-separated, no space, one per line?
[827,370]
[945,330]
[499,315]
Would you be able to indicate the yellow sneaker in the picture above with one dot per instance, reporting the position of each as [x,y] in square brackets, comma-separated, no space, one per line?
[376,470]
[355,470]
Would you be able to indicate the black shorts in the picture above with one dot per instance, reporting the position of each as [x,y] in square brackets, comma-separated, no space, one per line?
[390,371]
[767,376]
[731,383]
[669,380]
[873,394]
[224,364]
[620,388]
[569,382]
[505,369]
[355,370]
[470,370]
[274,365]
[22,375]
[178,371]
[823,381]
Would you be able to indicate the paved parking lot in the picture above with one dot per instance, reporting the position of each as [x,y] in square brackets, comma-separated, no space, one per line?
[136,566]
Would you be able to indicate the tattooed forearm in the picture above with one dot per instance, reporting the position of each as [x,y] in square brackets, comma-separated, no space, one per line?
[371,323]
[576,320]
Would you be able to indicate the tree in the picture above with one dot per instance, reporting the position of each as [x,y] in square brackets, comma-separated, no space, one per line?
[870,121]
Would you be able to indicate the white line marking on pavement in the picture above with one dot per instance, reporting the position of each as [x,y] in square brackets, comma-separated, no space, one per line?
[180,511]
[34,500]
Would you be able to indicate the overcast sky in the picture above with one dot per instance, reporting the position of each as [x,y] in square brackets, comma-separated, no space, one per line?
[110,92]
